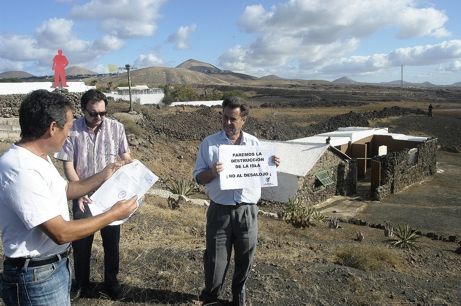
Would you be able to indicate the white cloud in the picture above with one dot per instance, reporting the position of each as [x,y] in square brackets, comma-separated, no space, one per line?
[181,37]
[414,56]
[422,22]
[7,65]
[54,32]
[125,19]
[309,34]
[108,43]
[57,33]
[20,48]
[454,66]
[234,59]
[147,60]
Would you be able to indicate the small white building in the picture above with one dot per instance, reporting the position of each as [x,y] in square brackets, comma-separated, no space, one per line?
[141,94]
[318,167]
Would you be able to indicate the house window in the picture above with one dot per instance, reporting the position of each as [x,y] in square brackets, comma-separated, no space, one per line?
[323,179]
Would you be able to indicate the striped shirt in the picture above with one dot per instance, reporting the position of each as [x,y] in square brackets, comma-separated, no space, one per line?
[92,152]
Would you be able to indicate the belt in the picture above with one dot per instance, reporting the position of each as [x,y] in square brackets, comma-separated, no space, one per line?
[36,262]
[234,206]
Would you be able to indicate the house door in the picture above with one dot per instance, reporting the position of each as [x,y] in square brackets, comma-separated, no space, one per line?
[359,152]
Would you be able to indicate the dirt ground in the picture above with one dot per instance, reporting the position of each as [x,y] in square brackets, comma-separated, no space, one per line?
[433,205]
[161,248]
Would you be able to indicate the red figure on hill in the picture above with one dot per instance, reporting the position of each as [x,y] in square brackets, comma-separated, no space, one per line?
[59,64]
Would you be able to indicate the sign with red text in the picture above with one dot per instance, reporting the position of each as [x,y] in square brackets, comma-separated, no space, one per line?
[247,167]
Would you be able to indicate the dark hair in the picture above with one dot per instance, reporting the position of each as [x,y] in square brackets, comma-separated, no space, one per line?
[92,96]
[236,102]
[39,109]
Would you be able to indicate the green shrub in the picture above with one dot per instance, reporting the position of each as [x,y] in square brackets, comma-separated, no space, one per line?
[366,258]
[299,215]
[404,237]
[133,128]
[236,93]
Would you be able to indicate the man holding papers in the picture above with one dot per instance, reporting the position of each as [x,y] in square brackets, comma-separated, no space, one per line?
[232,215]
[94,142]
[34,217]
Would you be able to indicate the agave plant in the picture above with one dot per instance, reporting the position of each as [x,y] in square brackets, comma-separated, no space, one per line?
[180,187]
[405,237]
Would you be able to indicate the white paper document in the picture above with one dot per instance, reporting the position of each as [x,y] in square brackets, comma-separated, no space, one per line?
[131,179]
[247,167]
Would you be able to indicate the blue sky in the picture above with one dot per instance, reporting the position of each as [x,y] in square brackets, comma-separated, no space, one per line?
[366,40]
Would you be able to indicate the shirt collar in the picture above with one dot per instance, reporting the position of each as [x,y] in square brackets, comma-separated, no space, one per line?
[88,128]
[243,141]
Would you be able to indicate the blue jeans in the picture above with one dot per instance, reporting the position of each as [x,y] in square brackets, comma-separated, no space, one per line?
[43,285]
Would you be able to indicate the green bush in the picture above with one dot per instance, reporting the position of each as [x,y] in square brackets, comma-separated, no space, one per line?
[299,215]
[366,258]
[133,128]
[235,93]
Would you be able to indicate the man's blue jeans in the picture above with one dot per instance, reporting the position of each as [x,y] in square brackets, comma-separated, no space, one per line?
[43,285]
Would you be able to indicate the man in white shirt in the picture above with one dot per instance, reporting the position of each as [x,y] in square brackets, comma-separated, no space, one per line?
[232,217]
[34,218]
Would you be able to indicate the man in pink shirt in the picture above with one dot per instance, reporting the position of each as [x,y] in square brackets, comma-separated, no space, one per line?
[94,141]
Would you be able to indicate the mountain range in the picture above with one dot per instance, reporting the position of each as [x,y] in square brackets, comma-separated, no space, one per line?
[196,72]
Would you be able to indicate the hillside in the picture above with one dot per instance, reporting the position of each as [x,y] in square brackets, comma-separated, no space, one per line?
[76,70]
[199,66]
[15,75]
[344,80]
[163,75]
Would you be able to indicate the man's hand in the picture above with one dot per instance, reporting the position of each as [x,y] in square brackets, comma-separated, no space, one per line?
[112,167]
[82,202]
[124,208]
[276,160]
[218,167]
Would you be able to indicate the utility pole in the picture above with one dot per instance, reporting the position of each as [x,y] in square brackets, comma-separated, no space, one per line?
[127,67]
[401,76]
[401,81]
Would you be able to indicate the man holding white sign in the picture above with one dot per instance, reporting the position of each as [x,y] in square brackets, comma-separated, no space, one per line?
[232,215]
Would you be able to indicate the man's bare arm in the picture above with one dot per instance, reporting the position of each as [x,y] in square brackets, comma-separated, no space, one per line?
[62,231]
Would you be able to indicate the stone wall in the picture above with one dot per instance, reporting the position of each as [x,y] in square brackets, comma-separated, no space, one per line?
[343,172]
[406,167]
[9,104]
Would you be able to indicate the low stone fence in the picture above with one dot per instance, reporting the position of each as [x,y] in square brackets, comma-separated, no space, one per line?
[9,129]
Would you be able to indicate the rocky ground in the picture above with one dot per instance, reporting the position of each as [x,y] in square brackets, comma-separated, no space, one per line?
[162,248]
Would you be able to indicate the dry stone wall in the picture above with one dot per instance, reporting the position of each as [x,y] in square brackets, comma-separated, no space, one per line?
[342,172]
[400,170]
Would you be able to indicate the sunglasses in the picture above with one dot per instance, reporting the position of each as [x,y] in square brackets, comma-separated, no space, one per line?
[96,114]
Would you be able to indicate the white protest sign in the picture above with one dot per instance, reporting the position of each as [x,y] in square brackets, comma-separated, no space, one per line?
[247,167]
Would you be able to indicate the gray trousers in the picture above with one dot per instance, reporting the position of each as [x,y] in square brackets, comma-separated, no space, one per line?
[229,226]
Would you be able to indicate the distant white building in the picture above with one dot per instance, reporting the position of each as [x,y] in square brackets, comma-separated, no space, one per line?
[141,94]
